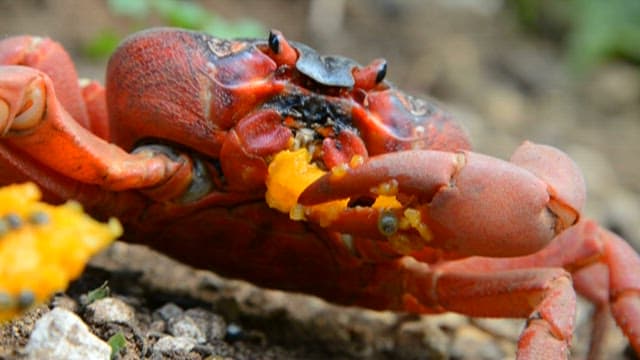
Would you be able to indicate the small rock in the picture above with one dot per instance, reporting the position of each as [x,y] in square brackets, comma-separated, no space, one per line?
[185,326]
[167,312]
[108,310]
[213,325]
[158,326]
[61,334]
[173,344]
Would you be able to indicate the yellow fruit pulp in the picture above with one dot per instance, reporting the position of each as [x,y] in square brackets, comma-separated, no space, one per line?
[290,172]
[43,247]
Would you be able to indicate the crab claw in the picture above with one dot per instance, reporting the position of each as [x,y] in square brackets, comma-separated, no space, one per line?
[469,203]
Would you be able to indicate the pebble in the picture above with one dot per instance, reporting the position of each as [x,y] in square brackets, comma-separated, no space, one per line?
[61,334]
[168,345]
[185,326]
[167,311]
[108,310]
[212,325]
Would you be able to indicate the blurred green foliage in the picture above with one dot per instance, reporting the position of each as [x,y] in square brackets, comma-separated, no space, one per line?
[593,31]
[179,13]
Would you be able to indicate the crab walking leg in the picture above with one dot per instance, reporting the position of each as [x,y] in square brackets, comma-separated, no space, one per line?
[624,285]
[33,120]
[544,296]
[606,272]
[610,280]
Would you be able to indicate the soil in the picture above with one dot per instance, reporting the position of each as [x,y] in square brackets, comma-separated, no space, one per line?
[503,84]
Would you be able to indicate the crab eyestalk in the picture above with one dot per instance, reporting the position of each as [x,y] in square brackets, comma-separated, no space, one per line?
[281,51]
[367,77]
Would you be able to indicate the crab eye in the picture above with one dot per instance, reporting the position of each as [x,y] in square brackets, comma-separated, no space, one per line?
[387,223]
[274,42]
[382,72]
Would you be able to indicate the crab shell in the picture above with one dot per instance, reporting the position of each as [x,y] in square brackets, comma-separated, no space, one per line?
[225,99]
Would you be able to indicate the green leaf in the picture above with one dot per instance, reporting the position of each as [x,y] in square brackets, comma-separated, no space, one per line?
[98,293]
[117,343]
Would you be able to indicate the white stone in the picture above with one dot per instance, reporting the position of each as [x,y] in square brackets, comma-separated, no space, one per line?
[109,310]
[61,334]
[171,344]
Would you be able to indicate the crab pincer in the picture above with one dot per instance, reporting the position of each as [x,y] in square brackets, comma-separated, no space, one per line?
[468,203]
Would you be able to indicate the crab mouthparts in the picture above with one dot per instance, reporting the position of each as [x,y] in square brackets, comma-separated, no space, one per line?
[291,172]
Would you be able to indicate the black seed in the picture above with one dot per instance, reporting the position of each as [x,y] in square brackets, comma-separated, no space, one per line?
[13,220]
[388,224]
[26,299]
[38,218]
[274,42]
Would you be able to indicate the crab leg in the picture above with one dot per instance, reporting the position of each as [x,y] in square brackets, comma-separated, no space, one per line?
[541,188]
[544,296]
[605,268]
[33,120]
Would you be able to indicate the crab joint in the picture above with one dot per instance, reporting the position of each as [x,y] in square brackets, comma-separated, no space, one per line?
[283,52]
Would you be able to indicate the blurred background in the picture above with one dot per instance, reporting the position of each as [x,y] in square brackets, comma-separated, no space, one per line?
[558,72]
[565,73]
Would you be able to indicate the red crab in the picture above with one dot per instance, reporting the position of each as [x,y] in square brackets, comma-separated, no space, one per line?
[180,148]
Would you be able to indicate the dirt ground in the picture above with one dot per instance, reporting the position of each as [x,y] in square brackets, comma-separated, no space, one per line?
[503,85]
